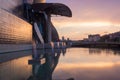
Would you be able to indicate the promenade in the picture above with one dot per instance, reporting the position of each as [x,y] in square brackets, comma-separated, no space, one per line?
[97,44]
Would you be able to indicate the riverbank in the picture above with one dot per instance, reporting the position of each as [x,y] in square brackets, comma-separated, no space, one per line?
[14,55]
[96,44]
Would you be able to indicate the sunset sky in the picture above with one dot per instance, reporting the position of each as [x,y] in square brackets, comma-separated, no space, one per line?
[89,17]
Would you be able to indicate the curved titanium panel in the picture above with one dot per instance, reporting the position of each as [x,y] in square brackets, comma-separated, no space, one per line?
[55,36]
[14,30]
[53,8]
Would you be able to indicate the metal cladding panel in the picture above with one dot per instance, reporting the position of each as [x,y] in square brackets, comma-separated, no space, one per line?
[13,29]
[13,6]
[39,1]
[53,8]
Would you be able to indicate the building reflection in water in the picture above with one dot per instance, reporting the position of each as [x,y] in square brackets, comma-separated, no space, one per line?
[83,65]
[94,50]
[103,51]
[79,63]
[43,67]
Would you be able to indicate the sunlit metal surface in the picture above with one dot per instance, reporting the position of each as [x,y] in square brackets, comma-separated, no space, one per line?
[13,29]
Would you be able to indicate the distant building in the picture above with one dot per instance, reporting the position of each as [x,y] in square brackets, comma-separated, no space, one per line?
[63,39]
[85,39]
[93,38]
[115,36]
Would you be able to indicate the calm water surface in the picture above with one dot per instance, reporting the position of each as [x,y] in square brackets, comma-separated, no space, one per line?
[89,64]
[77,63]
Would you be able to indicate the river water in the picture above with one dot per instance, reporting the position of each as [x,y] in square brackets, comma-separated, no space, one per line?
[76,63]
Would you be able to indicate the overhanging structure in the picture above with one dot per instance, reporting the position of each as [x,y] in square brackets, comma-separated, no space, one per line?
[53,8]
[42,15]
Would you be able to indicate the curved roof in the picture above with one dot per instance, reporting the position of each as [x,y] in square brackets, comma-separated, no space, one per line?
[53,8]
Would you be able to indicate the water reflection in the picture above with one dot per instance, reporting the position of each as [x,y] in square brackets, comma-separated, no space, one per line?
[89,64]
[59,64]
[105,51]
[43,69]
[23,66]
[16,69]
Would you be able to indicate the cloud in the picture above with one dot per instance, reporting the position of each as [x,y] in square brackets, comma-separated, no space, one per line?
[89,16]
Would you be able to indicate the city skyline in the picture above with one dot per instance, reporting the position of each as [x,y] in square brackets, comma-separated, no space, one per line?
[89,17]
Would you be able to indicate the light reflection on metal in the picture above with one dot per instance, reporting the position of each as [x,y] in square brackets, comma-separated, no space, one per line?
[11,32]
[39,1]
[38,33]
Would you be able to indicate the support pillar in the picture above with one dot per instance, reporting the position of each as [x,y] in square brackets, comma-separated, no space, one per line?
[49,30]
